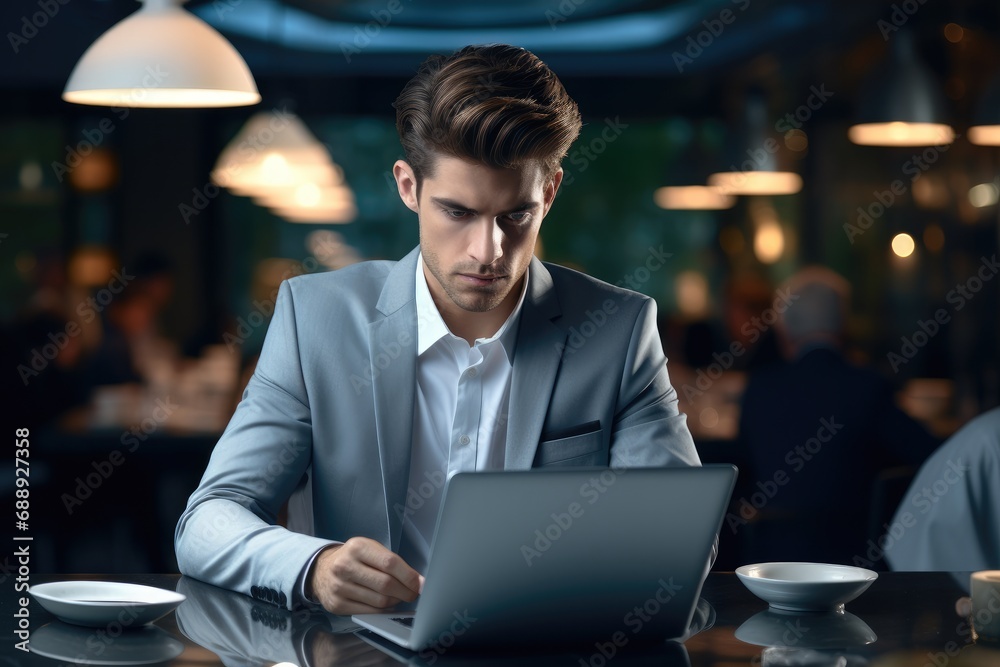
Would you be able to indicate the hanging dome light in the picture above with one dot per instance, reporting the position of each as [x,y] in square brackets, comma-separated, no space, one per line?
[161,56]
[901,103]
[274,151]
[760,162]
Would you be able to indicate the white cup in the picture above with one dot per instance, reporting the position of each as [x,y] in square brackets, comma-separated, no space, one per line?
[985,587]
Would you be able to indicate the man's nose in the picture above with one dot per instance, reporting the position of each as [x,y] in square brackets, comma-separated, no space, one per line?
[486,244]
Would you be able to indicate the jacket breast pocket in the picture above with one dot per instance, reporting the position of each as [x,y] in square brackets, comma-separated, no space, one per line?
[580,446]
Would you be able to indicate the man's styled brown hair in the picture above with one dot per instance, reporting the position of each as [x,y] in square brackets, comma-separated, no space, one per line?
[497,105]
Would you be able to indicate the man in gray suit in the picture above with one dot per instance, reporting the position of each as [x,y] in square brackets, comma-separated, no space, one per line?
[378,380]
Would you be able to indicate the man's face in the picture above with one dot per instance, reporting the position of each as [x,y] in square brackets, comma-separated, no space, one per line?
[478,227]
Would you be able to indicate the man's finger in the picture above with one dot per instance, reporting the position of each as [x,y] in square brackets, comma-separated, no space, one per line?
[379,558]
[346,608]
[381,582]
[359,594]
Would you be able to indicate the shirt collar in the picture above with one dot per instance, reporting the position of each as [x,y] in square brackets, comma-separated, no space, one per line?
[431,327]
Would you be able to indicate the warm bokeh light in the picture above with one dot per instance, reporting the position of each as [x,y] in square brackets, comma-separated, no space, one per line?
[903,245]
[97,171]
[308,195]
[311,203]
[91,266]
[931,191]
[293,157]
[692,197]
[691,289]
[954,33]
[274,167]
[756,182]
[162,98]
[985,135]
[334,215]
[934,238]
[769,242]
[796,140]
[901,134]
[983,195]
[30,176]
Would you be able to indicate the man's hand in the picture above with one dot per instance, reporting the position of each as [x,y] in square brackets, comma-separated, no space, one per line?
[361,576]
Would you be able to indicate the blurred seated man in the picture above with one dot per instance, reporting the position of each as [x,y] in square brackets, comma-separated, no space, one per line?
[950,517]
[817,431]
[130,324]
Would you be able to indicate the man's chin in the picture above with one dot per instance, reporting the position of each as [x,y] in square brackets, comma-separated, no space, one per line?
[479,306]
[479,300]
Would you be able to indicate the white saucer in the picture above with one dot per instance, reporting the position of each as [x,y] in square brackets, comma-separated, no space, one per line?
[103,603]
[805,586]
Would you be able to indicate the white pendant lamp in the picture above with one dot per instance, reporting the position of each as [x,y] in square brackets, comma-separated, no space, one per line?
[164,57]
[312,204]
[692,198]
[277,161]
[685,189]
[901,103]
[274,151]
[760,163]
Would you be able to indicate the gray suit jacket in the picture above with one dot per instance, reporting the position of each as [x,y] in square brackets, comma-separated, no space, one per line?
[325,422]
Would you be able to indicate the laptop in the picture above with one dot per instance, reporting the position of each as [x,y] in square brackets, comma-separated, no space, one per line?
[561,557]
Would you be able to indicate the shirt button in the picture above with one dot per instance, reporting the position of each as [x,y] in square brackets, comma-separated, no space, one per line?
[472,372]
[464,440]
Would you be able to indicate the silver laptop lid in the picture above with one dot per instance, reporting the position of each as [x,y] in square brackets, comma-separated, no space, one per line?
[572,555]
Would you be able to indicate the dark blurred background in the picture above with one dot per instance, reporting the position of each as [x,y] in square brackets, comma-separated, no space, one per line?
[136,292]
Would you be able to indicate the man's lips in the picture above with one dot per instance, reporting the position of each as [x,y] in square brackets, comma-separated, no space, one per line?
[481,279]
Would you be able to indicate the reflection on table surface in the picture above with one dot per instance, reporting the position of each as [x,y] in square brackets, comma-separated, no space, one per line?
[903,619]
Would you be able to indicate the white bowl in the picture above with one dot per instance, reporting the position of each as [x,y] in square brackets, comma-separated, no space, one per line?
[105,603]
[805,586]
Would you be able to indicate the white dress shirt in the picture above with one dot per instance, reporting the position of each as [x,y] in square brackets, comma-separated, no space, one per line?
[460,416]
[459,420]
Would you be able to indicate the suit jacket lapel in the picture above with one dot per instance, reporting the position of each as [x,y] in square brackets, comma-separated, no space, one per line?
[537,354]
[394,383]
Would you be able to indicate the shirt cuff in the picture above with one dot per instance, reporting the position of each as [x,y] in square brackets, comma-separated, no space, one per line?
[300,586]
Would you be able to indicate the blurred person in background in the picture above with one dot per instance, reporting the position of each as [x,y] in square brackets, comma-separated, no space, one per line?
[818,431]
[130,324]
[42,349]
[748,297]
[949,518]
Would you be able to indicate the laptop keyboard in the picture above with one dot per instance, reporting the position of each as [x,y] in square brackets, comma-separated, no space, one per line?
[404,620]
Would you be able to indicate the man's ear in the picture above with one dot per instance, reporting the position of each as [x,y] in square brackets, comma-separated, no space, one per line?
[406,184]
[552,188]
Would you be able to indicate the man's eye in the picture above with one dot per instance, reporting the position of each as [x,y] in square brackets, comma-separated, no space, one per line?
[456,214]
[519,217]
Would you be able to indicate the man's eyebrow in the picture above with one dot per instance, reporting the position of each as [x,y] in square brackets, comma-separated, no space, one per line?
[524,206]
[451,203]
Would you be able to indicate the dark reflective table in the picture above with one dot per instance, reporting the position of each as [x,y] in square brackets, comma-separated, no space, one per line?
[903,620]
